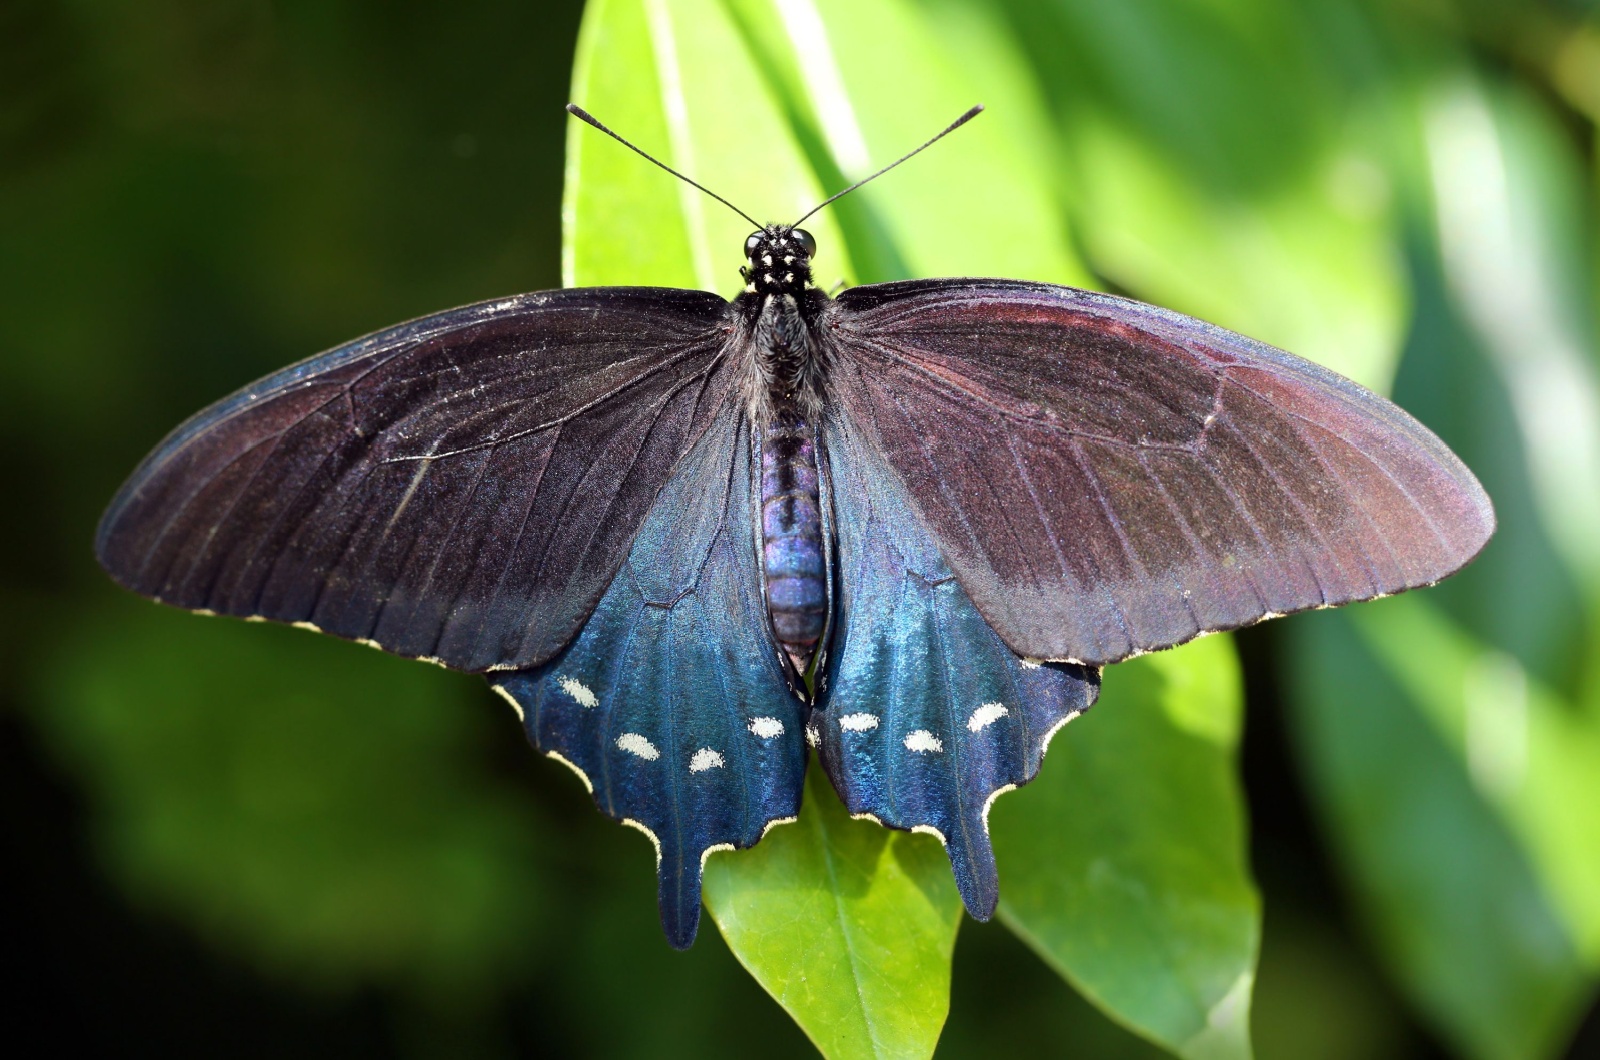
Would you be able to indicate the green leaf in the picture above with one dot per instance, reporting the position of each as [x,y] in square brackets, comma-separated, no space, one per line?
[676,79]
[775,106]
[849,925]
[679,80]
[1442,876]
[1124,864]
[1169,946]
[859,105]
[772,106]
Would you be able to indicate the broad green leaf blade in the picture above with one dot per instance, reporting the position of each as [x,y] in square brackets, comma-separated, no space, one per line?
[712,98]
[984,203]
[1124,864]
[1453,899]
[852,104]
[682,67]
[676,79]
[849,925]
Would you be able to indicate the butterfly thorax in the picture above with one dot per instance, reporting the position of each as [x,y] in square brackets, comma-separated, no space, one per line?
[780,309]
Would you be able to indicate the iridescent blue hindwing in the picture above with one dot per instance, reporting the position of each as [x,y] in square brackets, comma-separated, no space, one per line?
[671,703]
[927,715]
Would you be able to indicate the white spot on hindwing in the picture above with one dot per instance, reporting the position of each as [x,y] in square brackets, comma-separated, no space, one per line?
[923,742]
[705,759]
[813,737]
[766,728]
[635,744]
[578,691]
[858,722]
[986,715]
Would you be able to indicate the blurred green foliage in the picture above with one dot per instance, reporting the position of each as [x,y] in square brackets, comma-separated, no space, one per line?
[193,194]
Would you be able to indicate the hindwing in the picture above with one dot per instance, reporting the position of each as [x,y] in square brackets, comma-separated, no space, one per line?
[927,714]
[672,703]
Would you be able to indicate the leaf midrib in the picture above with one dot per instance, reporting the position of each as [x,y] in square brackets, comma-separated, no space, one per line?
[844,929]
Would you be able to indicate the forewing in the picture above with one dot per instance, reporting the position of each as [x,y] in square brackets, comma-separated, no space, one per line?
[462,487]
[1108,478]
[927,715]
[672,703]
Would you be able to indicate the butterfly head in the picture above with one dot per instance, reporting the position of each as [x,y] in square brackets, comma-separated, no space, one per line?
[780,260]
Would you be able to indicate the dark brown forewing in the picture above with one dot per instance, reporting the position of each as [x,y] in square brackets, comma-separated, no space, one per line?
[462,487]
[1107,478]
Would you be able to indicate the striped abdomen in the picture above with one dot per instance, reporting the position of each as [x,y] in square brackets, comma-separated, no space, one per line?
[791,537]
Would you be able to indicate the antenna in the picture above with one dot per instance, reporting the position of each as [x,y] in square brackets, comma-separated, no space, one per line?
[583,115]
[952,127]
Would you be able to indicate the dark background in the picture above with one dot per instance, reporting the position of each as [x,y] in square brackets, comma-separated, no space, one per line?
[307,848]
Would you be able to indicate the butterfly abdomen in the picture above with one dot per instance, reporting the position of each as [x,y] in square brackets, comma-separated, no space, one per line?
[791,536]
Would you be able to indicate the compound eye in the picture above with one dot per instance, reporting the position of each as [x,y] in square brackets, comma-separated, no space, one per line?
[807,244]
[752,243]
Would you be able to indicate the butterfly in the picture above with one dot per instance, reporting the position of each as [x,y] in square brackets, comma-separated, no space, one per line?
[692,540]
